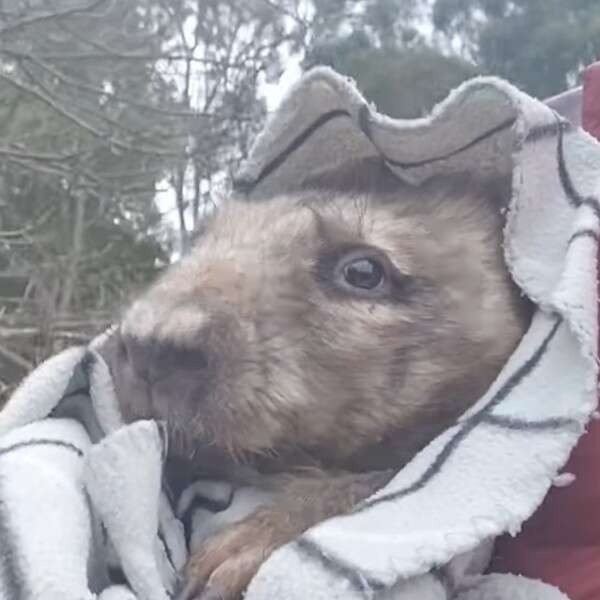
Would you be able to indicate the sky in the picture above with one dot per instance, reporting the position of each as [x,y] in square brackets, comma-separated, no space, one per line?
[273,93]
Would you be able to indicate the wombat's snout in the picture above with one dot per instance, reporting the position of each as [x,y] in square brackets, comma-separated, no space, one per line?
[166,358]
[153,360]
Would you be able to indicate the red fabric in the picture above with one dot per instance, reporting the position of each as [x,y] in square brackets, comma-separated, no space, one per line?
[560,544]
[590,113]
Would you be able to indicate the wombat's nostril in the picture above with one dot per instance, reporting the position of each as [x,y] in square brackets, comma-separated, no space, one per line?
[153,359]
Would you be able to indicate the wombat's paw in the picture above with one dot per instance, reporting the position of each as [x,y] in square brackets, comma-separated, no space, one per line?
[223,568]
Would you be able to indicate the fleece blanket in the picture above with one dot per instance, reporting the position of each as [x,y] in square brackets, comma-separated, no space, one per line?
[84,510]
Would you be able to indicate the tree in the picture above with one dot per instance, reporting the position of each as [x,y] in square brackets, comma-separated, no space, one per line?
[228,49]
[402,83]
[540,45]
[82,147]
[103,104]
[386,24]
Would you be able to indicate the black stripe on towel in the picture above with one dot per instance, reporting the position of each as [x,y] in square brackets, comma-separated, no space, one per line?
[358,581]
[592,202]
[575,199]
[247,185]
[585,233]
[480,138]
[351,572]
[573,196]
[521,424]
[42,442]
[509,385]
[548,130]
[12,578]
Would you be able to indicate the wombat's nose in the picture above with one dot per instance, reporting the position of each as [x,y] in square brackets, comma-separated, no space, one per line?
[153,359]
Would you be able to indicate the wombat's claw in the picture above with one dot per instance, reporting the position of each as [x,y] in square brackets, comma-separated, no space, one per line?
[191,591]
[227,582]
[187,590]
[225,566]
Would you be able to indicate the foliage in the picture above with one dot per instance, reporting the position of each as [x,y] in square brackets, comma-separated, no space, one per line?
[540,45]
[401,83]
[384,24]
[377,44]
[103,103]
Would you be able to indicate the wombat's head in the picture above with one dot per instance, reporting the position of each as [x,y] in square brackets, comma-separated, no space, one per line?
[349,326]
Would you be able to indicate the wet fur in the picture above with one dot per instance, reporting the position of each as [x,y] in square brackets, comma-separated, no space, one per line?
[256,357]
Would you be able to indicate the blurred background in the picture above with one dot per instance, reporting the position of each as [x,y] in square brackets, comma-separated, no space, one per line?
[122,120]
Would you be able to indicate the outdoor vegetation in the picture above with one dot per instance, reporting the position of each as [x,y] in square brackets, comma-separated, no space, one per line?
[122,120]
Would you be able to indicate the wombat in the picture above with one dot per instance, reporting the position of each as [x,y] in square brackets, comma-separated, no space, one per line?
[318,340]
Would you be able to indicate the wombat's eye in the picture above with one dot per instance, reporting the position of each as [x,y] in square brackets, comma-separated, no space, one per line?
[366,273]
[359,271]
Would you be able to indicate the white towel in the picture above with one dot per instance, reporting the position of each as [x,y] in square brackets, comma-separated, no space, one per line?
[62,497]
[82,498]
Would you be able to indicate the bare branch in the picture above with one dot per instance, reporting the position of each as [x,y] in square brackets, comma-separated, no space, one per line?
[50,16]
[16,359]
[107,93]
[15,233]
[37,156]
[112,55]
[105,135]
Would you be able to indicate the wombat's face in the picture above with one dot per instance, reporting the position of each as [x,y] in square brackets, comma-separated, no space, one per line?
[324,325]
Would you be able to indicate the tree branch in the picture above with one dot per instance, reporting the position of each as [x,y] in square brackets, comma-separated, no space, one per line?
[12,27]
[103,92]
[50,102]
[16,359]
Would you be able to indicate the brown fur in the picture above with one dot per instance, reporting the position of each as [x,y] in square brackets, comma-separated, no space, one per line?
[256,356]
